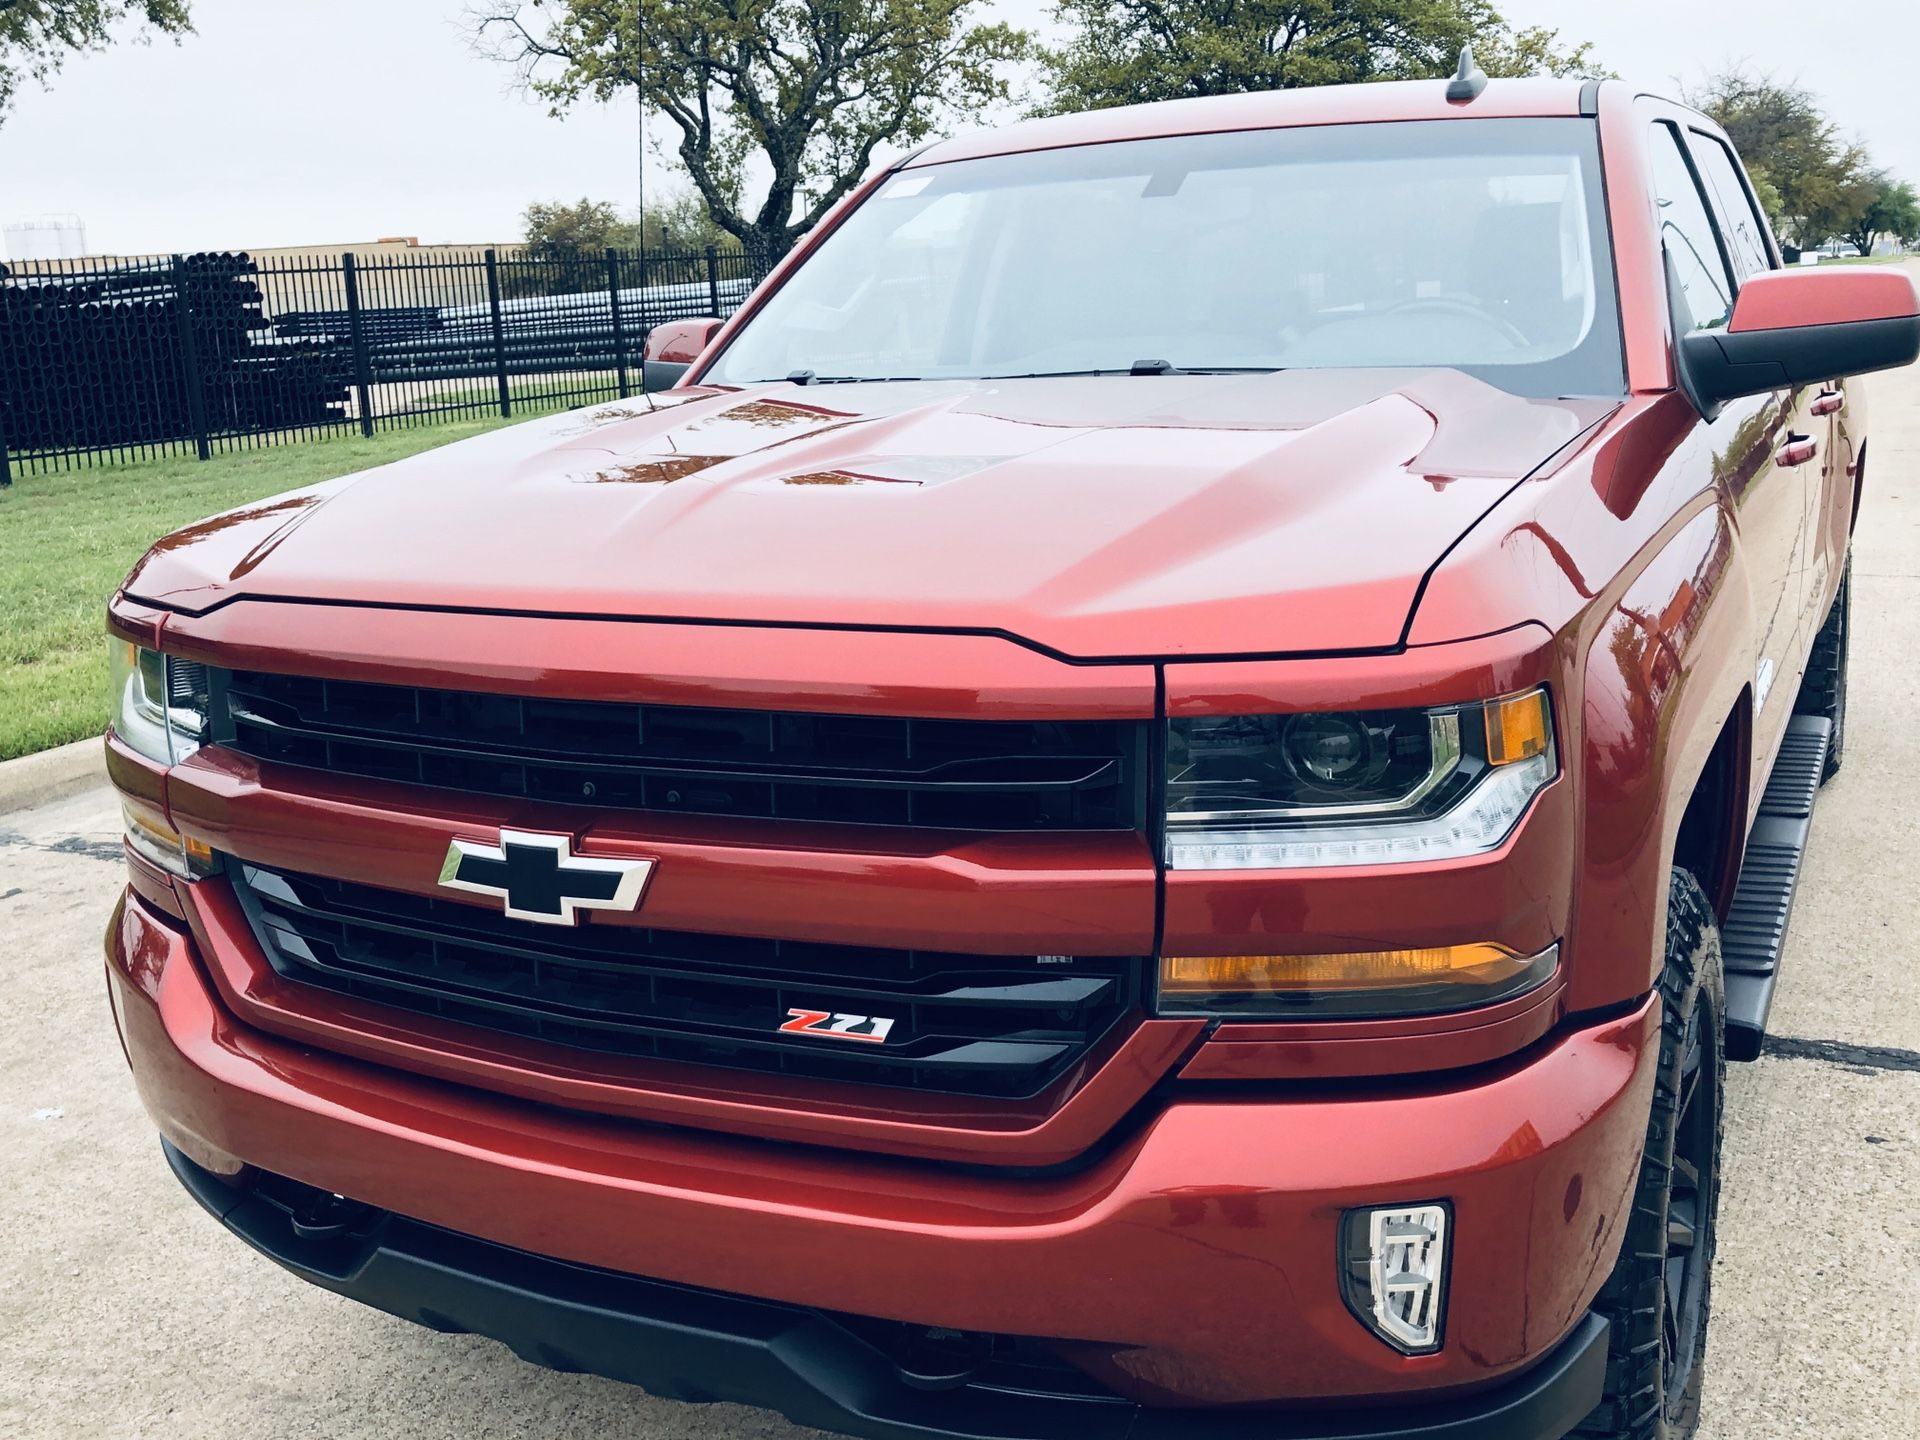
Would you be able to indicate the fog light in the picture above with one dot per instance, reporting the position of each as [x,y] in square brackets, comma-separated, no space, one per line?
[1396,1273]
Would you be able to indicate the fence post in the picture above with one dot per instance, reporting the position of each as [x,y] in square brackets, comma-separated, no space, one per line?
[499,335]
[190,357]
[613,305]
[6,468]
[713,280]
[362,379]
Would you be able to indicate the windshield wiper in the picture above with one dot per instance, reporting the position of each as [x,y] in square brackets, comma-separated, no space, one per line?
[807,377]
[1054,374]
[1139,367]
[1144,367]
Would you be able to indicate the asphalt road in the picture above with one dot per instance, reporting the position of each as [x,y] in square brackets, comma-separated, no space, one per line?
[125,1312]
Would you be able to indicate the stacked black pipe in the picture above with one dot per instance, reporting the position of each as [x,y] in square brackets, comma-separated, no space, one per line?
[541,335]
[151,352]
[383,322]
[117,356]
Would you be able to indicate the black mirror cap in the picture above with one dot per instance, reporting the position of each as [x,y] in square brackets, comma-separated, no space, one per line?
[1723,365]
[661,374]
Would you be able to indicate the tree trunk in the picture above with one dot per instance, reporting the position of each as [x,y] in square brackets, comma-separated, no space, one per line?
[766,246]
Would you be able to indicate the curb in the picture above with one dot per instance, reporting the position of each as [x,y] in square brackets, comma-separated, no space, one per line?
[52,774]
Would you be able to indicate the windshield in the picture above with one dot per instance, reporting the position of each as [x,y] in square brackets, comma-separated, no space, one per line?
[1476,244]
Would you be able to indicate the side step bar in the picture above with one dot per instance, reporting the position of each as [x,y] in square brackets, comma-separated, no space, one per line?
[1755,930]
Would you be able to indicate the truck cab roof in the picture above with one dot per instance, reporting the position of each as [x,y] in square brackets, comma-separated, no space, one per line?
[1274,109]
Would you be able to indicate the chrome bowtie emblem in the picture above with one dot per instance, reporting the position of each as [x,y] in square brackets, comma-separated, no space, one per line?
[540,878]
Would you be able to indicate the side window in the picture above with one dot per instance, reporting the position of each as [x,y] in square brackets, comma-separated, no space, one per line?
[1740,222]
[1706,285]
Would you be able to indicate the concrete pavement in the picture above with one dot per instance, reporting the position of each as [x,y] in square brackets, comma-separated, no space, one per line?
[126,1313]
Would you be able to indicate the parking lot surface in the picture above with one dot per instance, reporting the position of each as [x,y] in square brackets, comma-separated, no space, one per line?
[125,1312]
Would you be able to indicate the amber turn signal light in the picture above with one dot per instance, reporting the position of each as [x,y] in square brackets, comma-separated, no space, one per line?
[1383,982]
[1459,964]
[1518,728]
[165,846]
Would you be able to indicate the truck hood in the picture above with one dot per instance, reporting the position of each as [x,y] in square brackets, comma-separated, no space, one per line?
[1097,517]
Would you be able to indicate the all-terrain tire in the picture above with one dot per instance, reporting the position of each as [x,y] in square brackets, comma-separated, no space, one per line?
[1655,1359]
[1824,690]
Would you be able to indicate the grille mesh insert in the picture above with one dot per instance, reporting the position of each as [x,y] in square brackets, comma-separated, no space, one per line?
[993,775]
[1005,1026]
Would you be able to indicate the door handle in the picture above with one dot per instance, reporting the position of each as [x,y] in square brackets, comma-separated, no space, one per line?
[1829,402]
[1797,451]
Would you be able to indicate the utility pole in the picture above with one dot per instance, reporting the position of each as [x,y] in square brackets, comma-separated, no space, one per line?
[640,116]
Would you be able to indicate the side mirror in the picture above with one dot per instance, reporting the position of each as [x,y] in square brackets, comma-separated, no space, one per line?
[672,347]
[1801,327]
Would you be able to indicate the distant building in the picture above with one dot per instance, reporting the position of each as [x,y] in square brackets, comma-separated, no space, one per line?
[395,269]
[389,247]
[48,237]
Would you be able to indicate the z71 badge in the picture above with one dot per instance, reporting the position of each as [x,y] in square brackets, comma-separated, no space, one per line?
[873,1029]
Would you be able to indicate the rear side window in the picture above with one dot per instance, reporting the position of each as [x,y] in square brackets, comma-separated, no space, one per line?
[1740,222]
[1706,285]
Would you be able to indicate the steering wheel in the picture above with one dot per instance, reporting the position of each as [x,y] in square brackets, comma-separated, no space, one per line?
[1447,305]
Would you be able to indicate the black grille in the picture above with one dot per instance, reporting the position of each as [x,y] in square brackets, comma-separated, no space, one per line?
[993,775]
[973,1024]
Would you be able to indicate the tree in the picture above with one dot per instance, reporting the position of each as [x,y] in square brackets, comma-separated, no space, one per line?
[555,230]
[1819,179]
[37,36]
[1125,51]
[1892,208]
[808,92]
[683,224]
[572,241]
[1766,192]
[1534,51]
[1902,214]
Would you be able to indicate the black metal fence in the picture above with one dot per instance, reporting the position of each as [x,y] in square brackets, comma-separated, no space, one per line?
[196,354]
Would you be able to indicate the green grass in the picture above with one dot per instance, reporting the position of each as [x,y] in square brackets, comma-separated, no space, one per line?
[530,394]
[67,540]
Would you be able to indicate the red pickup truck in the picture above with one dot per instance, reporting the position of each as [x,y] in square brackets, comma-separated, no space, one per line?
[1145,804]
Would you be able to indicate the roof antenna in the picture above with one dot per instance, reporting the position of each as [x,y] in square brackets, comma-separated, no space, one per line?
[1468,81]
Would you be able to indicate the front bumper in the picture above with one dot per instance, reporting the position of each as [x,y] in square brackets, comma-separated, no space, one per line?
[700,1345]
[1191,1263]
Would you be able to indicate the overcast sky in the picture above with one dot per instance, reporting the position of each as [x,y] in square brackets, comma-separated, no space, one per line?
[283,122]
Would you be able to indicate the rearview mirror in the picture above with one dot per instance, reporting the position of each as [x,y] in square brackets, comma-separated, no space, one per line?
[1801,327]
[672,347]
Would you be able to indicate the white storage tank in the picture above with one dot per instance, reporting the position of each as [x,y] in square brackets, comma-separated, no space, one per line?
[49,237]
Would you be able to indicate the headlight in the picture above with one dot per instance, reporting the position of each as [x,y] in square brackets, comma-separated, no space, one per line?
[166,847]
[158,705]
[159,708]
[1353,788]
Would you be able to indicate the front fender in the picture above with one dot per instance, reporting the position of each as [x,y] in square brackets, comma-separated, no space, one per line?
[1629,554]
[1665,670]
